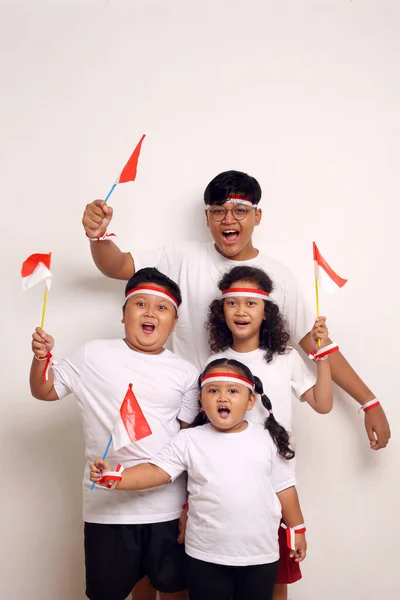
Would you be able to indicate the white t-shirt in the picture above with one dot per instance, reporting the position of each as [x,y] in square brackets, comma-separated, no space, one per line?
[197,268]
[166,389]
[284,375]
[233,479]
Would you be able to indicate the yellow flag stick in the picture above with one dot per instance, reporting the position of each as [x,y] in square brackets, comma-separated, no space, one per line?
[46,291]
[316,293]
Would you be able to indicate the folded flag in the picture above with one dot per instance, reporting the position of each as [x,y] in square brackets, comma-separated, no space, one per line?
[36,268]
[131,425]
[128,173]
[328,280]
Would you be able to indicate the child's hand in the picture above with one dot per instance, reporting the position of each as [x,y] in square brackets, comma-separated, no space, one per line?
[320,332]
[301,548]
[42,342]
[97,468]
[96,218]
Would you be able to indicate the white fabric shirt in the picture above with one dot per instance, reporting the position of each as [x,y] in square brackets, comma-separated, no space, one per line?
[233,478]
[284,375]
[166,389]
[197,268]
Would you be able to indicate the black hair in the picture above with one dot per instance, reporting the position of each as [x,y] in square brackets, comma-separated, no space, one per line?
[278,433]
[274,336]
[152,275]
[232,182]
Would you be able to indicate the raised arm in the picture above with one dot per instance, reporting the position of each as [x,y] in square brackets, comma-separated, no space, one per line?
[42,345]
[107,257]
[320,397]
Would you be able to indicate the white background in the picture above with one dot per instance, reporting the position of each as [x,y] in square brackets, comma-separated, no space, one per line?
[305,96]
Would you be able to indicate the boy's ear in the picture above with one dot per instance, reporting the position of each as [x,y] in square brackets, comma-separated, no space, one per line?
[175,322]
[207,217]
[252,401]
[123,316]
[258,216]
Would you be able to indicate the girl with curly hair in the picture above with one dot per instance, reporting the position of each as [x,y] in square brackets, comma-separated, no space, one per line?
[246,325]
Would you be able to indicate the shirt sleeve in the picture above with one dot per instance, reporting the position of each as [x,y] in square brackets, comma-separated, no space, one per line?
[190,401]
[296,310]
[172,458]
[167,259]
[282,474]
[67,373]
[301,377]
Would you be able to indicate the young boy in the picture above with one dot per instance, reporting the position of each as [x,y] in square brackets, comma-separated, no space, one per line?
[232,212]
[135,534]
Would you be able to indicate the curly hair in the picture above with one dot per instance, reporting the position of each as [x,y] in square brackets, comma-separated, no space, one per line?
[278,433]
[274,336]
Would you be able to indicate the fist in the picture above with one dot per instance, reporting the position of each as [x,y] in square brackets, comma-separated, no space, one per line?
[320,332]
[42,342]
[96,218]
[97,468]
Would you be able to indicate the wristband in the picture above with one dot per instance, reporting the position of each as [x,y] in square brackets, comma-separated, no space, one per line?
[290,534]
[111,478]
[49,363]
[185,506]
[323,353]
[102,237]
[370,405]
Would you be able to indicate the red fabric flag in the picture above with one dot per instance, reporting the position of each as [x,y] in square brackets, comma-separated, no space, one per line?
[129,171]
[36,268]
[328,279]
[131,425]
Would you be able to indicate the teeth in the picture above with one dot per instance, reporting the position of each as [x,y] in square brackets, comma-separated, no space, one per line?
[230,231]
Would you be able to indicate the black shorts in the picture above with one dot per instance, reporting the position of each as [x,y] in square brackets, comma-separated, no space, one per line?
[208,581]
[118,556]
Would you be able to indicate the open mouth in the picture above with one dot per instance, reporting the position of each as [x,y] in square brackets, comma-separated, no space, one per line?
[224,412]
[148,327]
[230,236]
[242,324]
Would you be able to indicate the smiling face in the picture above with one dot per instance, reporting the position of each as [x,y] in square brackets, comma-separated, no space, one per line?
[149,320]
[244,316]
[233,237]
[226,402]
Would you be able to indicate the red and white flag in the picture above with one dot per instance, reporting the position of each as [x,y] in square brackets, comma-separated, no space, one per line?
[328,280]
[131,425]
[36,268]
[128,173]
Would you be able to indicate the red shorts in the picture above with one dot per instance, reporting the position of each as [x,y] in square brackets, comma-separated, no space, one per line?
[289,570]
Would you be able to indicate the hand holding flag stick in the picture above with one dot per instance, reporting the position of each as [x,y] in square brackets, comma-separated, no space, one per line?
[128,173]
[325,277]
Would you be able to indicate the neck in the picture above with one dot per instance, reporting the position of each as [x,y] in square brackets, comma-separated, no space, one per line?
[141,350]
[246,253]
[246,345]
[235,429]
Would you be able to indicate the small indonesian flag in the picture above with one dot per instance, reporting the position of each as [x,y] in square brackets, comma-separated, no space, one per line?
[328,280]
[36,268]
[131,425]
[129,171]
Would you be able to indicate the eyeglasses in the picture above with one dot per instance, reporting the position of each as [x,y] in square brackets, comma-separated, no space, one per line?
[239,212]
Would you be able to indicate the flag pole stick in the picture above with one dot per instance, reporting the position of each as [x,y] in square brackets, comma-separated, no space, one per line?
[317,301]
[104,457]
[110,192]
[46,291]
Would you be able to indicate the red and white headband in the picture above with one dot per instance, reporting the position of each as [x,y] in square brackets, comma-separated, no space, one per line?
[229,377]
[237,199]
[247,292]
[155,291]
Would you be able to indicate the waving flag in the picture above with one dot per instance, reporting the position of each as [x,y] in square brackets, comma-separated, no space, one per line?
[36,268]
[329,281]
[131,425]
[129,171]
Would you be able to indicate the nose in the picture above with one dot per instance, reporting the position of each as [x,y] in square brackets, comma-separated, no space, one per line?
[228,217]
[149,313]
[240,308]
